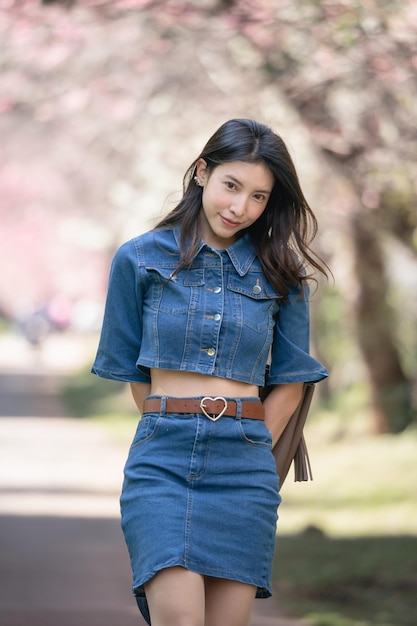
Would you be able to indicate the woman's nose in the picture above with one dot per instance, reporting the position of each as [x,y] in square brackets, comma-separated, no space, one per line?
[239,205]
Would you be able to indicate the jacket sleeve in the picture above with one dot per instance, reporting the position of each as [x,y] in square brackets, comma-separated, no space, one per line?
[121,333]
[291,361]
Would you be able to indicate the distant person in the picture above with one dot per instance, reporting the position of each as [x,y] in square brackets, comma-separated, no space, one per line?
[36,327]
[195,308]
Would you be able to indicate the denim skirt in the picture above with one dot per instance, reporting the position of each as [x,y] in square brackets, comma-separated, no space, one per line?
[202,495]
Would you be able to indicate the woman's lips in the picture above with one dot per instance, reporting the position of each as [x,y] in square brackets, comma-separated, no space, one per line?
[229,223]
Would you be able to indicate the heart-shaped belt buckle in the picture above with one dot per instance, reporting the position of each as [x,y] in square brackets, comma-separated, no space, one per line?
[203,407]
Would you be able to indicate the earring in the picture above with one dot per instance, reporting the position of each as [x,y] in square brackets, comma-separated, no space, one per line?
[197,182]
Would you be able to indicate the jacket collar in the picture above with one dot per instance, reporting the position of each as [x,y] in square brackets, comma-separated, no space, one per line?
[241,253]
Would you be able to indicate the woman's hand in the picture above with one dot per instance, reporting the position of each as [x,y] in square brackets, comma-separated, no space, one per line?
[279,405]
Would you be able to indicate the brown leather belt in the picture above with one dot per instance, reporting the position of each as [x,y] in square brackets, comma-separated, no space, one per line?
[213,408]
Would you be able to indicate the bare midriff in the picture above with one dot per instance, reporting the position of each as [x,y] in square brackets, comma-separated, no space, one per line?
[186,384]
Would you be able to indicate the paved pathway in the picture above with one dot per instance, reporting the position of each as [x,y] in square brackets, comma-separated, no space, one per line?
[63,561]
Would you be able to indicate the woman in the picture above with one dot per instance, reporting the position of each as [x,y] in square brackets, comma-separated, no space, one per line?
[195,309]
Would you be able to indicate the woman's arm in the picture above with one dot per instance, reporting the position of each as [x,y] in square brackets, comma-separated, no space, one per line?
[121,333]
[279,405]
[139,393]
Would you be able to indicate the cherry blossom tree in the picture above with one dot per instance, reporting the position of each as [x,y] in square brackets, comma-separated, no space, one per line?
[103,102]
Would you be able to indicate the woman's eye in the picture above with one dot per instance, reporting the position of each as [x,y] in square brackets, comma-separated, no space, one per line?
[230,185]
[259,197]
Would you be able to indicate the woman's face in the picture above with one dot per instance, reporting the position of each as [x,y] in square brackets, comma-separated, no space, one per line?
[235,194]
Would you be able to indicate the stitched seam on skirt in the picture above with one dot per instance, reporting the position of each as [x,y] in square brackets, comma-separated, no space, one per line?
[187,528]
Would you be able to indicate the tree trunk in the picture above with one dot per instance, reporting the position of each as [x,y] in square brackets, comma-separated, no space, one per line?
[390,390]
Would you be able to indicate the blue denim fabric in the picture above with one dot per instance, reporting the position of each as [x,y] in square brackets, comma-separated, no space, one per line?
[201,495]
[221,317]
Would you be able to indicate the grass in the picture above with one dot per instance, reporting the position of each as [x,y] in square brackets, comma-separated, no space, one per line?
[357,581]
[346,551]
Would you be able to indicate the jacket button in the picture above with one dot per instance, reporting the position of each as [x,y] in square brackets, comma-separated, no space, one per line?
[257,290]
[217,289]
[217,317]
[211,351]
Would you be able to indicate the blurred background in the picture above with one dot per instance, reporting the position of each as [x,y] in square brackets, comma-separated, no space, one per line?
[103,105]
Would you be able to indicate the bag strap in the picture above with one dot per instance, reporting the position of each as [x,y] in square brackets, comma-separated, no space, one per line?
[302,465]
[291,446]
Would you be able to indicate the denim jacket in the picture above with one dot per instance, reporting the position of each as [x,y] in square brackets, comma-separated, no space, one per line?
[220,317]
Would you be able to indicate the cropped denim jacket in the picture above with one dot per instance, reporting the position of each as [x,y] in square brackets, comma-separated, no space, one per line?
[221,317]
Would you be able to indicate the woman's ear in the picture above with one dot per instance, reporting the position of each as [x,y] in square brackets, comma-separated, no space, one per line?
[201,171]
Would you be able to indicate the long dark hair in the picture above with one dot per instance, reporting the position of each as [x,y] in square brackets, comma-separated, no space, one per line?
[282,234]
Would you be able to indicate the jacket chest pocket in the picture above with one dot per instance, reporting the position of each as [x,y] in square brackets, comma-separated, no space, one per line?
[177,294]
[253,302]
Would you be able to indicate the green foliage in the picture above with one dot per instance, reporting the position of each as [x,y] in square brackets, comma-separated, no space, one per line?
[334,333]
[86,395]
[333,327]
[4,325]
[403,299]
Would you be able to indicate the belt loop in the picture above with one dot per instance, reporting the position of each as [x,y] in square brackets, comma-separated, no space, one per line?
[238,408]
[162,408]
